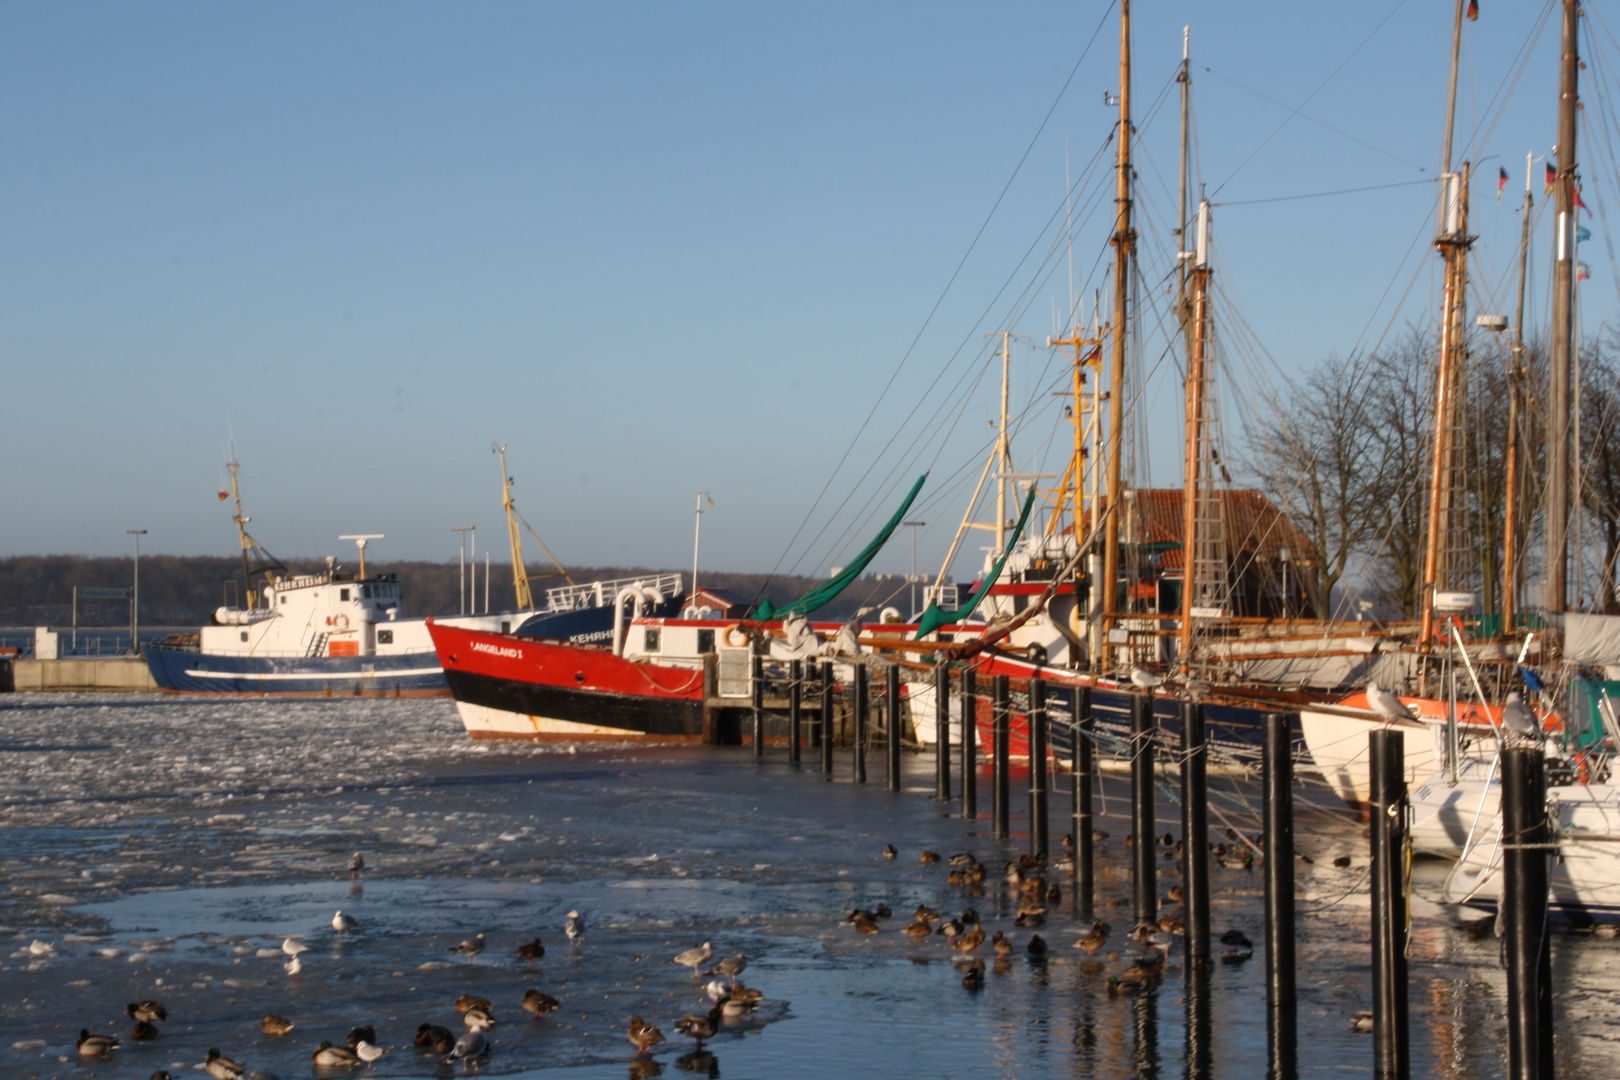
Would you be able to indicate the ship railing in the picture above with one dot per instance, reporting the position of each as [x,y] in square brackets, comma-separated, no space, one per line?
[601,593]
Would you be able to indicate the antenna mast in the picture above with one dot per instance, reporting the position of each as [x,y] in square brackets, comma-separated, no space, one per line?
[520,572]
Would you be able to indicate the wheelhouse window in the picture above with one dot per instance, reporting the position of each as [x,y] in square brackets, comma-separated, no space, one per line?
[652,639]
[705,641]
[343,594]
[385,637]
[244,635]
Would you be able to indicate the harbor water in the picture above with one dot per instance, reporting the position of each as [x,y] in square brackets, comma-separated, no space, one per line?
[162,848]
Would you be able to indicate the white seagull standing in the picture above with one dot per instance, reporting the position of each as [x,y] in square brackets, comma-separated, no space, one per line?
[1143,679]
[470,948]
[293,948]
[293,966]
[694,958]
[1386,704]
[343,923]
[574,926]
[1519,718]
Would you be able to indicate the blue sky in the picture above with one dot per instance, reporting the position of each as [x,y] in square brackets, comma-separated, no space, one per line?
[658,248]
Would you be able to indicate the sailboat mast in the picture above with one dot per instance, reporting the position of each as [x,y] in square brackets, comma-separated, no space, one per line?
[1003,446]
[1563,325]
[1185,79]
[1198,478]
[1510,516]
[1124,241]
[1445,465]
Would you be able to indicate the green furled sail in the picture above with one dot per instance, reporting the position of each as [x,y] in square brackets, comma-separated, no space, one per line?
[823,594]
[934,618]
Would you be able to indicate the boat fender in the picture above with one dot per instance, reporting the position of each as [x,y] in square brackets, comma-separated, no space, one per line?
[738,630]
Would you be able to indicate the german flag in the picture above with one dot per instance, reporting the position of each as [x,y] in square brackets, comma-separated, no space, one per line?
[1552,178]
[1501,182]
[1473,10]
[223,495]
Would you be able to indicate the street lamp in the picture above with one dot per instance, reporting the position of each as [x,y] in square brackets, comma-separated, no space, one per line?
[464,530]
[135,596]
[913,526]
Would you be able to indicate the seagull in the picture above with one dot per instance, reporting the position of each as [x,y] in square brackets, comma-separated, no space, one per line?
[368,1052]
[470,948]
[343,923]
[716,990]
[731,967]
[574,926]
[694,958]
[1143,679]
[293,948]
[293,966]
[40,948]
[469,1047]
[357,865]
[1386,704]
[1519,718]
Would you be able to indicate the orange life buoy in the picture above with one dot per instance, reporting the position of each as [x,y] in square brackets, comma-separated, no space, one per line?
[737,627]
[340,621]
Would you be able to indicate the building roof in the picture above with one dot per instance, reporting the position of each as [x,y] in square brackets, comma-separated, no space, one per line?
[1255,528]
[716,598]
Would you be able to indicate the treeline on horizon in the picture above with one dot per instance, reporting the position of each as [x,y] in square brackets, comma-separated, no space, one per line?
[184,590]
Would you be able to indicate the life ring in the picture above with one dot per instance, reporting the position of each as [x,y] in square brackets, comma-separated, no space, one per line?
[340,621]
[737,627]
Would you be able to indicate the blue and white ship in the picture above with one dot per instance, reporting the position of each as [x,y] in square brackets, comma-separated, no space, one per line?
[344,635]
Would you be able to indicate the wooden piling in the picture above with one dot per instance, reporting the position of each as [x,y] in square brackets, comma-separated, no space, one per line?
[1001,709]
[942,732]
[1391,1034]
[970,746]
[1038,823]
[795,686]
[1081,778]
[891,719]
[1525,857]
[1195,830]
[1145,883]
[1282,1014]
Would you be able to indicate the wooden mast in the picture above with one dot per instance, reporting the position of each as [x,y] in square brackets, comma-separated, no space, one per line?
[1445,464]
[1510,519]
[1563,325]
[1124,242]
[1198,472]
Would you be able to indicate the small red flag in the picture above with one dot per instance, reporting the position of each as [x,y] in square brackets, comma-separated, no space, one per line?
[1552,178]
[1580,205]
[1501,182]
[1473,10]
[223,495]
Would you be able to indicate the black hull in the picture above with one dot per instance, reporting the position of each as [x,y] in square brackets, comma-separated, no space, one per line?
[647,715]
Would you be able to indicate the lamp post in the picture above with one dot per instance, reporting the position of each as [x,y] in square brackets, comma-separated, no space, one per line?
[913,526]
[1282,554]
[135,596]
[464,530]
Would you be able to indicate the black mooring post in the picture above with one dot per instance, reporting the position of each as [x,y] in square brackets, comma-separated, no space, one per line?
[1525,854]
[759,706]
[1082,762]
[863,706]
[1038,823]
[1387,814]
[970,745]
[1144,879]
[795,682]
[942,732]
[1195,831]
[824,730]
[1002,749]
[1200,1026]
[1282,1015]
[891,718]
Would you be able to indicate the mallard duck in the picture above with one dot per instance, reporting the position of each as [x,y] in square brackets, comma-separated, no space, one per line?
[701,1027]
[479,1019]
[1001,943]
[470,948]
[730,967]
[1036,947]
[864,923]
[473,1001]
[96,1045]
[731,1008]
[362,1034]
[974,977]
[918,930]
[143,1031]
[530,951]
[220,1067]
[889,851]
[470,1047]
[928,857]
[1141,972]
[644,1036]
[746,994]
[343,923]
[1093,941]
[882,911]
[1176,894]
[327,1054]
[1172,925]
[275,1025]
[1054,895]
[950,930]
[925,913]
[970,940]
[1014,875]
[147,1010]
[435,1038]
[368,1051]
[694,958]
[963,858]
[539,1004]
[574,926]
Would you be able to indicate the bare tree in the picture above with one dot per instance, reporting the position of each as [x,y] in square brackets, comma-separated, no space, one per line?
[1401,416]
[1600,453]
[1314,466]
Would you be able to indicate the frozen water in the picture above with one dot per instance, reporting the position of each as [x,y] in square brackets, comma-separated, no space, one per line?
[165,848]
